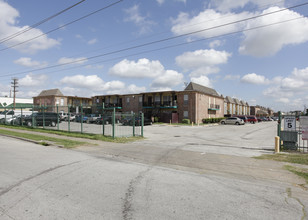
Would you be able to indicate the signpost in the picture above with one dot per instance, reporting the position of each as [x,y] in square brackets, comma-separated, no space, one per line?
[289,123]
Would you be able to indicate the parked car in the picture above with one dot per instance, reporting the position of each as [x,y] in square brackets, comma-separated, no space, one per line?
[78,118]
[50,119]
[92,118]
[107,119]
[233,121]
[71,117]
[244,118]
[252,119]
[129,121]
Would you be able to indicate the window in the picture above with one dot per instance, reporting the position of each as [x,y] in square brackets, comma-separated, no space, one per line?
[185,99]
[62,101]
[127,101]
[185,114]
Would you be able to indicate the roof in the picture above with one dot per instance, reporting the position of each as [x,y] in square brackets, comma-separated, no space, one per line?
[21,105]
[199,88]
[51,92]
[237,101]
[229,99]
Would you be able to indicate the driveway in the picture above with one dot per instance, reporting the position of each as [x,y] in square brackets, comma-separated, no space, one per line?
[239,140]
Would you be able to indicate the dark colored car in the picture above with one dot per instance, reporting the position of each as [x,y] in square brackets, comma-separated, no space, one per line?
[129,121]
[39,118]
[78,118]
[107,119]
[252,119]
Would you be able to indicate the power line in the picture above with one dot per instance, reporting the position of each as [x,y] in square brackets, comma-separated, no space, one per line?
[38,23]
[148,51]
[62,26]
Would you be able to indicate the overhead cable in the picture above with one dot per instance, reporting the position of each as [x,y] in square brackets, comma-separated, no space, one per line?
[37,24]
[62,26]
[148,51]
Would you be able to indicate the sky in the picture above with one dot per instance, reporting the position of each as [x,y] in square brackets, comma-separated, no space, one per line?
[253,50]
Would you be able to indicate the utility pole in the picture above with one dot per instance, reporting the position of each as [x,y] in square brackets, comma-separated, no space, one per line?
[14,85]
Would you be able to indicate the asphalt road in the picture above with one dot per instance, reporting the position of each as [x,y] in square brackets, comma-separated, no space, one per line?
[38,182]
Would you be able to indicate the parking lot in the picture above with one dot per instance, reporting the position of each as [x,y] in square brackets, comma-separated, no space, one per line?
[240,140]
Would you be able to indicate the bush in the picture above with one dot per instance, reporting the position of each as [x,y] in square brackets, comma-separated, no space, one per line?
[186,121]
[155,119]
[211,120]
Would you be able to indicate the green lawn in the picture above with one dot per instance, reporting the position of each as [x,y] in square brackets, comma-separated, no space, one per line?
[44,140]
[77,134]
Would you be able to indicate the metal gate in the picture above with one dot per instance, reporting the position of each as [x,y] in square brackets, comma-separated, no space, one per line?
[293,133]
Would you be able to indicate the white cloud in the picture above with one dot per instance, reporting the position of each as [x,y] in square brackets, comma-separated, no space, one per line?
[9,26]
[82,81]
[28,62]
[202,80]
[253,78]
[232,77]
[215,43]
[207,20]
[268,41]
[227,5]
[291,90]
[202,62]
[169,79]
[93,41]
[93,84]
[133,15]
[67,60]
[33,80]
[143,68]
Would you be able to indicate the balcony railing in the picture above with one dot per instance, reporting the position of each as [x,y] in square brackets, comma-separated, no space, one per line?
[168,104]
[214,107]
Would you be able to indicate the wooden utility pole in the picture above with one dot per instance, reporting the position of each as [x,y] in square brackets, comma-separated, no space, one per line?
[14,86]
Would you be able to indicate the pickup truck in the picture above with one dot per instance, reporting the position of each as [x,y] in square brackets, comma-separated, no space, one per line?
[39,118]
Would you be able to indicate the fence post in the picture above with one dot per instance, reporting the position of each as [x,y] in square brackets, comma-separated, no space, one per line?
[81,122]
[133,124]
[58,117]
[5,116]
[44,117]
[69,118]
[113,123]
[103,117]
[142,123]
[32,117]
[22,124]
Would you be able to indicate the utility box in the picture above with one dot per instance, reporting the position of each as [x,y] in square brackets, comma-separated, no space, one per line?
[289,139]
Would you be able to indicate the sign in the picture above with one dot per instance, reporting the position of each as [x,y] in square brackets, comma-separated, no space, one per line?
[289,123]
[304,126]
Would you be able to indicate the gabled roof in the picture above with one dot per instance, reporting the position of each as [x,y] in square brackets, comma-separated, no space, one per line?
[199,88]
[237,101]
[51,92]
[229,99]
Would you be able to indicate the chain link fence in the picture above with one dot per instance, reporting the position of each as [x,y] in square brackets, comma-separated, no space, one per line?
[107,122]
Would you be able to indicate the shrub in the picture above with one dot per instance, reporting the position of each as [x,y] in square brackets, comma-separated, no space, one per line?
[155,119]
[186,121]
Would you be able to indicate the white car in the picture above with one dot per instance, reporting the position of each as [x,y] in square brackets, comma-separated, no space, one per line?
[233,121]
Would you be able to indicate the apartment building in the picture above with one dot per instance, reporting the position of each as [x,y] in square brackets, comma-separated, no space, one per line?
[195,103]
[233,106]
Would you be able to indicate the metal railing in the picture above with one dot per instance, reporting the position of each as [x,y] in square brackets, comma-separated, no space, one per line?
[105,122]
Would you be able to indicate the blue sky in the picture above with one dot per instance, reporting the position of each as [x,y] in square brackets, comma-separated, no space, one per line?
[138,46]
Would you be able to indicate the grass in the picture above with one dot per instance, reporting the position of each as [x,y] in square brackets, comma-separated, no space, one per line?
[298,171]
[295,158]
[43,140]
[290,158]
[76,134]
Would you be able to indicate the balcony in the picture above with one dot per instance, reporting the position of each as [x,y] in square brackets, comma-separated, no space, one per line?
[164,105]
[214,107]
